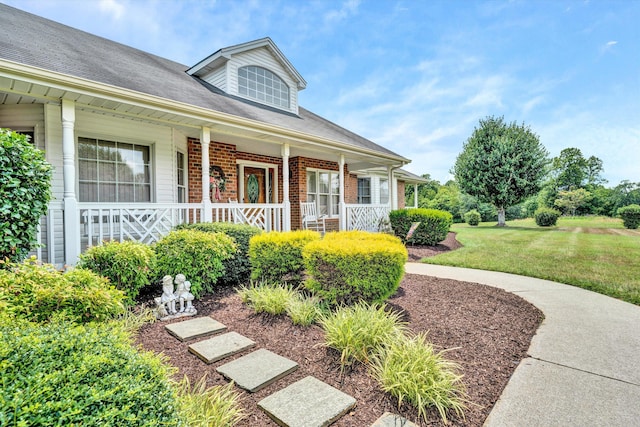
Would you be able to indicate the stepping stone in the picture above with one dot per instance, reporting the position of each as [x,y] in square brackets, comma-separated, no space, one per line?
[195,328]
[257,370]
[307,403]
[220,346]
[392,420]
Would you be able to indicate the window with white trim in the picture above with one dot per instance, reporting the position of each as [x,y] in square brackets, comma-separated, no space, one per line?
[323,187]
[364,191]
[262,85]
[113,171]
[384,191]
[181,172]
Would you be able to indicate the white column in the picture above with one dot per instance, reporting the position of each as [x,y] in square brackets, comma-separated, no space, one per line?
[342,211]
[415,196]
[205,141]
[285,187]
[71,213]
[393,190]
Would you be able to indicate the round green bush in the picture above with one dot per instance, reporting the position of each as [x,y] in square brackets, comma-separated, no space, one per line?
[25,182]
[349,267]
[128,265]
[37,292]
[61,373]
[237,268]
[472,217]
[546,217]
[197,254]
[433,228]
[277,256]
[630,216]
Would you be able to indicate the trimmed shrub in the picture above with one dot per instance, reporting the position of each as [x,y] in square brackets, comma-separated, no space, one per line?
[277,256]
[237,268]
[360,330]
[38,292]
[472,217]
[25,183]
[348,267]
[433,228]
[630,216]
[409,369]
[546,217]
[128,265]
[197,254]
[64,374]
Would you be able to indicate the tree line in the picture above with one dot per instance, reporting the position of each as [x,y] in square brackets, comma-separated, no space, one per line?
[505,173]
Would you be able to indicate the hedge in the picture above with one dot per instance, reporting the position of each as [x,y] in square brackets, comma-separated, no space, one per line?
[630,216]
[546,217]
[433,228]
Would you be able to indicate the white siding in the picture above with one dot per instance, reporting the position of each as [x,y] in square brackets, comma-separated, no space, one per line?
[218,78]
[261,57]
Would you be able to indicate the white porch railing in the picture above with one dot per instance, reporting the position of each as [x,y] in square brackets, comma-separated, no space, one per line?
[50,247]
[366,217]
[150,221]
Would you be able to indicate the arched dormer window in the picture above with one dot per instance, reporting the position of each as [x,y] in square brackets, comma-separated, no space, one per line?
[262,85]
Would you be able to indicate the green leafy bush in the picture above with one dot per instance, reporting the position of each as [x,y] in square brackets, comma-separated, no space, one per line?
[197,254]
[217,406]
[433,228]
[267,297]
[630,216]
[472,217]
[359,330]
[277,256]
[37,292]
[409,369]
[546,217]
[128,265]
[347,267]
[25,182]
[238,267]
[59,374]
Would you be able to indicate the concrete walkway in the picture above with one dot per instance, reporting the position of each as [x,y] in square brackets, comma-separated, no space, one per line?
[583,365]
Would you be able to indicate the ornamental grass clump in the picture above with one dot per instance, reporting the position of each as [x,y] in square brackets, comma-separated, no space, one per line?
[347,267]
[217,406]
[303,311]
[358,331]
[199,255]
[129,265]
[277,256]
[266,297]
[409,369]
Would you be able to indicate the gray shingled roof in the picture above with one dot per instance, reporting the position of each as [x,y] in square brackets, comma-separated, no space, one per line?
[39,42]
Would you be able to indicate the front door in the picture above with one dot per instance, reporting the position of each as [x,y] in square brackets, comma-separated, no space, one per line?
[254,185]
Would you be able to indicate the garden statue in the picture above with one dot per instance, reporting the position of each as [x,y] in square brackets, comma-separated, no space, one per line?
[166,304]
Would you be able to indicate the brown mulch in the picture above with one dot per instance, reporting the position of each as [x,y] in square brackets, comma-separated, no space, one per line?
[487,331]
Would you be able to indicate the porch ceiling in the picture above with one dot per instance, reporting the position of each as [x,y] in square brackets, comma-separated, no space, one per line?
[23,89]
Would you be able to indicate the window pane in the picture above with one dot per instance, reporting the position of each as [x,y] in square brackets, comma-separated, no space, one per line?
[335,183]
[324,183]
[125,174]
[335,205]
[256,82]
[125,193]
[107,172]
[384,191]
[323,208]
[87,170]
[107,150]
[107,193]
[88,192]
[143,193]
[311,182]
[87,148]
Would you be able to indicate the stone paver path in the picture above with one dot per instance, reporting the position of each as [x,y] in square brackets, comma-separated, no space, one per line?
[257,370]
[195,328]
[307,403]
[391,420]
[220,346]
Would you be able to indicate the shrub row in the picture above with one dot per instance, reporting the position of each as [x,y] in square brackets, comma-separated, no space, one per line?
[433,228]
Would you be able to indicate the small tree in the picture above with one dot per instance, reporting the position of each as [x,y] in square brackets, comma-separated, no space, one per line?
[501,164]
[570,201]
[25,183]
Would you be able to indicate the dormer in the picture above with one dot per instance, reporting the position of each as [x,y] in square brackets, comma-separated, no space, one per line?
[256,71]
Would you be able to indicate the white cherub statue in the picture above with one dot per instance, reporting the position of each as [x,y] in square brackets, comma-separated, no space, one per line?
[183,294]
[168,298]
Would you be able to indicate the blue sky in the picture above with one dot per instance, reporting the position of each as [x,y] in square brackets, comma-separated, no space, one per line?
[416,76]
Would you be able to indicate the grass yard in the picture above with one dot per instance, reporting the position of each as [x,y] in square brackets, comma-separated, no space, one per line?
[590,252]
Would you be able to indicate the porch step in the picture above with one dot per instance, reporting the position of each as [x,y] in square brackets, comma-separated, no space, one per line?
[257,370]
[220,346]
[392,420]
[307,403]
[195,328]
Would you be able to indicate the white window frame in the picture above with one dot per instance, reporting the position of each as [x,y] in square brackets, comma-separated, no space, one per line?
[260,165]
[388,192]
[360,197]
[333,197]
[185,177]
[151,165]
[264,87]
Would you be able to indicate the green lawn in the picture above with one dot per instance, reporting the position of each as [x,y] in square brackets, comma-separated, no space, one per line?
[593,253]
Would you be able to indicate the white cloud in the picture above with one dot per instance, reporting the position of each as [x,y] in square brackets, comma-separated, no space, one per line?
[112,7]
[349,7]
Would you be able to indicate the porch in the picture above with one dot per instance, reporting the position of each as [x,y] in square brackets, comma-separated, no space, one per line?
[148,223]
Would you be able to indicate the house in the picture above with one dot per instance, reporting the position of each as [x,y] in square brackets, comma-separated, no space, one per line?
[140,143]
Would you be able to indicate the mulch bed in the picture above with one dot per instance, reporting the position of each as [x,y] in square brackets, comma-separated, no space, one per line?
[485,330]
